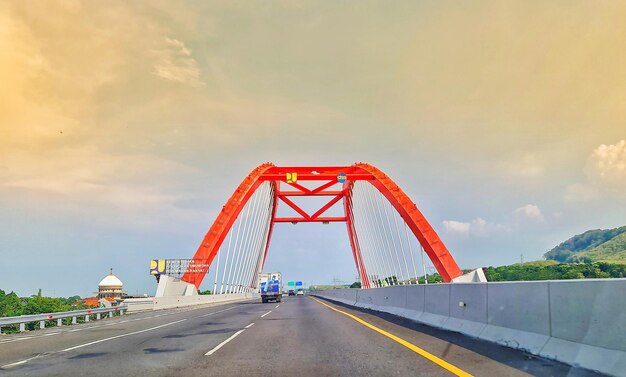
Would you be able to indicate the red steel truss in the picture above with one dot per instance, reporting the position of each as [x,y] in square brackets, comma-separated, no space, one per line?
[328,175]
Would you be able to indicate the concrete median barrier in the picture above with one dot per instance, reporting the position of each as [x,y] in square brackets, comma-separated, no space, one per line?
[346,296]
[588,324]
[436,305]
[578,322]
[468,309]
[390,299]
[518,315]
[415,298]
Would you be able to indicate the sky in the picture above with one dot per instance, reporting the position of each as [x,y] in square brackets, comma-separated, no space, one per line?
[125,126]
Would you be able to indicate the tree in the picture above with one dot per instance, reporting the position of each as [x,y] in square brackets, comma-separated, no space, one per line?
[10,305]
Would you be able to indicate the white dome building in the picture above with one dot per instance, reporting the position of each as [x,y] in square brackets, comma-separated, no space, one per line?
[110,287]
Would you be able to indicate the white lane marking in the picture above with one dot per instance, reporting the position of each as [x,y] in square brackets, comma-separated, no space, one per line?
[266,314]
[250,325]
[111,338]
[276,307]
[121,336]
[19,362]
[219,311]
[28,337]
[111,324]
[94,342]
[211,352]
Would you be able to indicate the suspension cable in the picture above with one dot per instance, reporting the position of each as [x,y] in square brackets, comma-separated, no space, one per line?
[230,238]
[362,229]
[395,220]
[257,235]
[384,209]
[246,241]
[408,240]
[376,236]
[360,258]
[217,268]
[255,276]
[384,235]
[228,283]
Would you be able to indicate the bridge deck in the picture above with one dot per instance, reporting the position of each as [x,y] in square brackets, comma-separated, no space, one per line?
[300,337]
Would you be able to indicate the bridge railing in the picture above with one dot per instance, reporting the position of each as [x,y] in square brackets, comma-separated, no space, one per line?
[42,318]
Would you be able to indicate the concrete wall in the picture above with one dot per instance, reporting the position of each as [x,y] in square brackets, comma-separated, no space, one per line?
[393,299]
[346,296]
[158,303]
[139,304]
[579,322]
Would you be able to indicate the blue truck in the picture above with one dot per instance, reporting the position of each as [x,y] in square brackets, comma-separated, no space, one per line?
[270,291]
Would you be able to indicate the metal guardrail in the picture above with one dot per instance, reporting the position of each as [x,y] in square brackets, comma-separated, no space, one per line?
[22,320]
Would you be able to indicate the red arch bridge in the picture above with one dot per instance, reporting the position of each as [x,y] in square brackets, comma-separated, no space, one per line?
[386,230]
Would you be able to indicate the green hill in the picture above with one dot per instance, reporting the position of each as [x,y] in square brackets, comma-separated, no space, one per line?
[613,250]
[599,245]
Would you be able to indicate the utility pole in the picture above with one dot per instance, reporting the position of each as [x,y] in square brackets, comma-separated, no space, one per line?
[336,281]
[424,265]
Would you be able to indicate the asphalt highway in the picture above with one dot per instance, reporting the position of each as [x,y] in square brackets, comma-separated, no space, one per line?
[302,336]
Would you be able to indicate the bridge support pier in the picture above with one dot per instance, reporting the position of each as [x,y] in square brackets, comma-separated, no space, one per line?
[476,276]
[170,286]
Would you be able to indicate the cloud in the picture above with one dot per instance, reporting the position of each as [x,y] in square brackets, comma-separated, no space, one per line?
[477,227]
[480,227]
[175,63]
[529,211]
[605,170]
[606,166]
[526,167]
[457,227]
[121,191]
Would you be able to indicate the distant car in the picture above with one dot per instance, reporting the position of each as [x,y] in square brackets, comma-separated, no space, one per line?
[292,292]
[300,292]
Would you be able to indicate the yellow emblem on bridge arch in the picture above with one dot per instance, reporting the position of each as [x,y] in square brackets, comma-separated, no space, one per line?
[292,177]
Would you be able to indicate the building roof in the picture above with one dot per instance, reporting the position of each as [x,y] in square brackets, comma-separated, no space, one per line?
[110,281]
[94,302]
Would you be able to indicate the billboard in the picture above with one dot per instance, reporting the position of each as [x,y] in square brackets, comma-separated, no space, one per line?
[177,267]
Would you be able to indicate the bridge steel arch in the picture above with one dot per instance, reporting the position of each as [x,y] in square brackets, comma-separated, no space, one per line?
[328,175]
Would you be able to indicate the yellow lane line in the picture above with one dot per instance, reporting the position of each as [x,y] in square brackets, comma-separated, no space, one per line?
[442,363]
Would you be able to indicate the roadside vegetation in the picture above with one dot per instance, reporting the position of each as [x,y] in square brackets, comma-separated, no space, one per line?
[537,270]
[12,305]
[551,270]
